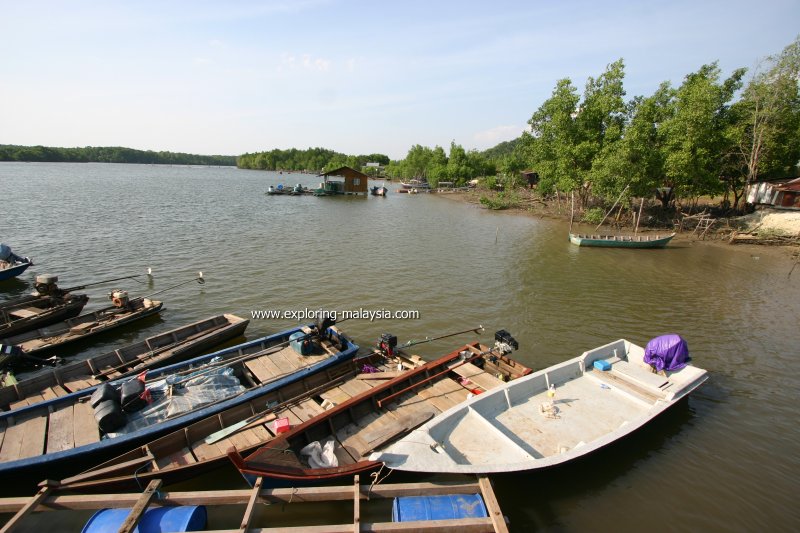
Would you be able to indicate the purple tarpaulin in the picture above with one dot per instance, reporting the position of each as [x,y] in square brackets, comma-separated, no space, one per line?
[667,352]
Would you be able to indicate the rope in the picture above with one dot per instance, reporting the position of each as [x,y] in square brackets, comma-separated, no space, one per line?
[376,479]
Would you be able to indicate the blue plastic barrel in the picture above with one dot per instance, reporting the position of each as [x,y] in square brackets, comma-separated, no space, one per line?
[446,507]
[300,343]
[155,520]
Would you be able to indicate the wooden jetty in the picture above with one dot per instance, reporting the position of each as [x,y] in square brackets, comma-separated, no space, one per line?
[258,499]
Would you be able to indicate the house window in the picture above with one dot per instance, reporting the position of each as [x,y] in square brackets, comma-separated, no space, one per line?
[356,181]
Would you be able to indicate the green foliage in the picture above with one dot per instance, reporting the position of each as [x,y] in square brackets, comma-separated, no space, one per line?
[312,159]
[109,154]
[594,215]
[502,200]
[432,164]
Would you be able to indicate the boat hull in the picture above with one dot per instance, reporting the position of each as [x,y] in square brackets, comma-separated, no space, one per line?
[522,427]
[70,308]
[620,241]
[154,352]
[14,271]
[30,470]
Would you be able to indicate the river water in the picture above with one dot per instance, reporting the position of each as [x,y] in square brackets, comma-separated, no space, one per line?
[726,460]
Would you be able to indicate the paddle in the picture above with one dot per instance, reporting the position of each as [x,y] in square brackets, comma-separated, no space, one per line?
[244,424]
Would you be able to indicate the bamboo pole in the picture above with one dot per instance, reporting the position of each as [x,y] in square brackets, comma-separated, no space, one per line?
[639,218]
[571,211]
[612,208]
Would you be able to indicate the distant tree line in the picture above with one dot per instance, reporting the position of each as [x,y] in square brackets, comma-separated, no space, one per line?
[708,137]
[108,154]
[310,160]
[458,166]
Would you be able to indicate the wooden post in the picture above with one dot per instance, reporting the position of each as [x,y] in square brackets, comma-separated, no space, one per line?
[639,218]
[558,200]
[141,506]
[45,490]
[492,506]
[251,505]
[356,504]
[571,211]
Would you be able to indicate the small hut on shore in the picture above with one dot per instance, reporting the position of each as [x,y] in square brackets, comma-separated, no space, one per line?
[355,182]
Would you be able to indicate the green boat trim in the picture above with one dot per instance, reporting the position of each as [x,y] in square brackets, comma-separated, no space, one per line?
[621,241]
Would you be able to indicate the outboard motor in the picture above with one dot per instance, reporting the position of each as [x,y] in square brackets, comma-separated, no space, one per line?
[387,344]
[323,324]
[46,285]
[119,298]
[504,342]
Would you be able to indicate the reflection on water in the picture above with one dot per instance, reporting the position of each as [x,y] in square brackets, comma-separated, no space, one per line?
[726,459]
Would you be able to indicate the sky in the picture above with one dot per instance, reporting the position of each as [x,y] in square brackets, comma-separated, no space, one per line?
[358,77]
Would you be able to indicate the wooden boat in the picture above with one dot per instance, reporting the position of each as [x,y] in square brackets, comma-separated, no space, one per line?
[35,311]
[203,445]
[154,352]
[11,264]
[375,415]
[621,241]
[62,436]
[124,311]
[547,418]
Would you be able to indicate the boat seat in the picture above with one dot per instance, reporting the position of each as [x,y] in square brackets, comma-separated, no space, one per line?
[26,312]
[82,328]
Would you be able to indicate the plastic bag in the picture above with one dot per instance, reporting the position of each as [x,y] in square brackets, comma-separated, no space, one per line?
[320,456]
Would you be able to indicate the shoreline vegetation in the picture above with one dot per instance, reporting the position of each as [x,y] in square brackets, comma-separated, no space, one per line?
[765,227]
[108,154]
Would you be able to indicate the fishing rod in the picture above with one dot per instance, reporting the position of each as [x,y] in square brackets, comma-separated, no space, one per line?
[199,279]
[81,287]
[410,343]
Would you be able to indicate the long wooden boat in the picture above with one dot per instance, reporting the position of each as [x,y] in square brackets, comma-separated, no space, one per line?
[547,418]
[35,311]
[60,437]
[154,352]
[377,413]
[84,326]
[203,445]
[621,241]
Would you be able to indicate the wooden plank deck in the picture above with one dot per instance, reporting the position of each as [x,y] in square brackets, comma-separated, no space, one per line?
[84,424]
[61,434]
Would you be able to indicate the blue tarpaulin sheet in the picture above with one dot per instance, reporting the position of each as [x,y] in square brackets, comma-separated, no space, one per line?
[667,352]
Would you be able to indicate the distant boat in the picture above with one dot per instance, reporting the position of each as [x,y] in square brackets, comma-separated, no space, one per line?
[415,183]
[378,191]
[554,415]
[272,190]
[11,264]
[621,241]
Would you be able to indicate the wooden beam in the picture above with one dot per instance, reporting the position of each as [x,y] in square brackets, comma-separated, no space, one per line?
[46,487]
[227,497]
[462,525]
[251,505]
[492,506]
[356,504]
[141,506]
